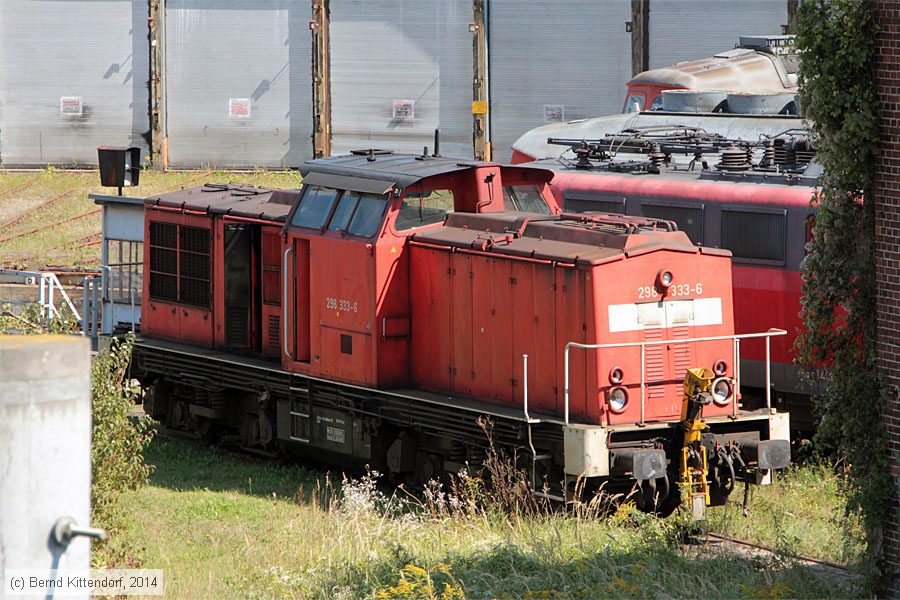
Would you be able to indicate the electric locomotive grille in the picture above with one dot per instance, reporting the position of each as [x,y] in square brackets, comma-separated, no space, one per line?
[580,205]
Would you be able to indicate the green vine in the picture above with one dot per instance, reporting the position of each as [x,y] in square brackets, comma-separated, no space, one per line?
[836,39]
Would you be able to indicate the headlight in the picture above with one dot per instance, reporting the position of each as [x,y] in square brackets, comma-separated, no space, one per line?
[618,399]
[720,367]
[616,375]
[664,278]
[721,391]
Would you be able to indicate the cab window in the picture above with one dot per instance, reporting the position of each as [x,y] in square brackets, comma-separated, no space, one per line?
[634,103]
[315,206]
[524,198]
[358,214]
[424,208]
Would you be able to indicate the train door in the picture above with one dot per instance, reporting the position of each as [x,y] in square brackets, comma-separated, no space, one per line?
[238,286]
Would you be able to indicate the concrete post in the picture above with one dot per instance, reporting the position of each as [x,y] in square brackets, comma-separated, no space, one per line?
[45,449]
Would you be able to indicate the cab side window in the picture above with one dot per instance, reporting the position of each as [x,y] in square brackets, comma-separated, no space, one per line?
[419,208]
[315,206]
[524,198]
[358,214]
[634,103]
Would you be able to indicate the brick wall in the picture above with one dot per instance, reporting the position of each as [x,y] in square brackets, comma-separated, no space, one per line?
[887,242]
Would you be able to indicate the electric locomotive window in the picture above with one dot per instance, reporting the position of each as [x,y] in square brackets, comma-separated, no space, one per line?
[635,103]
[315,206]
[754,235]
[589,203]
[424,208]
[524,198]
[689,219]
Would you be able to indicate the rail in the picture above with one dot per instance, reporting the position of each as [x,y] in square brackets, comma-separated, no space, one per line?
[736,347]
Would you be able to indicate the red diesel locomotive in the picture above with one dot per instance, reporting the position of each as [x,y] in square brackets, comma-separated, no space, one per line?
[376,314]
[759,210]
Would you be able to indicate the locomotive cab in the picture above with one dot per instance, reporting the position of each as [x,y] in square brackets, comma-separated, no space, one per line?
[349,313]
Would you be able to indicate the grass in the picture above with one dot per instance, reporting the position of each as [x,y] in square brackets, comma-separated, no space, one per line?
[72,244]
[227,527]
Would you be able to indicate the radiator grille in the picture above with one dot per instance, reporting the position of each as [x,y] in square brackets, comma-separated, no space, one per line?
[654,365]
[683,355]
[163,235]
[274,332]
[236,324]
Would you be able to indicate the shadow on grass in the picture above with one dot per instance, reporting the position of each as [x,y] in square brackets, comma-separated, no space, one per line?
[184,464]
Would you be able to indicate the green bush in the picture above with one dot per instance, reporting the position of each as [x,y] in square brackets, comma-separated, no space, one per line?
[118,442]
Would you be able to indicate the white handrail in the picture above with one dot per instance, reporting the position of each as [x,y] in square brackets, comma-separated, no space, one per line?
[735,339]
[47,282]
[284,306]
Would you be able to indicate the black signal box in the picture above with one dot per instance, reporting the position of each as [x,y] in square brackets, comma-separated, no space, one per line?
[119,167]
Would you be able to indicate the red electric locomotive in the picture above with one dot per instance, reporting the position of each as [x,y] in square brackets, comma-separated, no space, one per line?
[376,314]
[755,203]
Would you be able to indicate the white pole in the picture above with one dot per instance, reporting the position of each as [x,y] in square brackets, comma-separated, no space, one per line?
[45,400]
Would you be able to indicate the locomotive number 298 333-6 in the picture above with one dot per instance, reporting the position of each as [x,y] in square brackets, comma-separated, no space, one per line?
[340,304]
[679,289]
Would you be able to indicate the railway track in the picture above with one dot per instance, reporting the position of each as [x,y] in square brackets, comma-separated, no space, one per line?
[746,548]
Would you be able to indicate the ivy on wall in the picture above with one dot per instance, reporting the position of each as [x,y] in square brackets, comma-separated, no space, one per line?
[837,42]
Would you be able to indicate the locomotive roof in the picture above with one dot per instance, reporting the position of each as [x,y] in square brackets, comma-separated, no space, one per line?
[583,239]
[229,199]
[381,170]
[682,174]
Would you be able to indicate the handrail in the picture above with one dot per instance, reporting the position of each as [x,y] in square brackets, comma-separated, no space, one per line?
[735,339]
[284,306]
[48,281]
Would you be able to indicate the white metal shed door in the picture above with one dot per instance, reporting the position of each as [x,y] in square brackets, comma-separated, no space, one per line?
[554,61]
[399,70]
[239,89]
[73,76]
[690,29]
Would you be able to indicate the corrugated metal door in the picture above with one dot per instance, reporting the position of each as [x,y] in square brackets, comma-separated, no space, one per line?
[554,61]
[73,76]
[399,70]
[239,89]
[682,30]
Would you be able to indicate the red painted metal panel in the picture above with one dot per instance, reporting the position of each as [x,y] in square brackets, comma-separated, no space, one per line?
[175,320]
[462,365]
[502,312]
[483,331]
[522,309]
[393,323]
